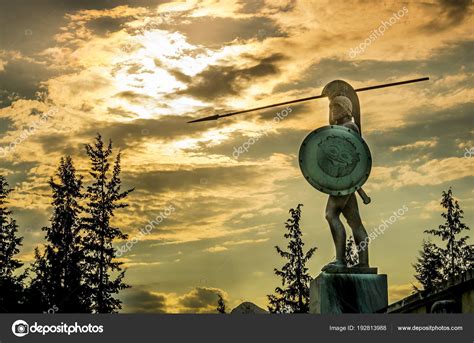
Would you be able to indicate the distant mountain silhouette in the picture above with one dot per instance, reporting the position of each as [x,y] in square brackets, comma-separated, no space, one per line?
[248,308]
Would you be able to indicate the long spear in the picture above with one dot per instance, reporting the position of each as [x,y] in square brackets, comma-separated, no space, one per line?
[218,116]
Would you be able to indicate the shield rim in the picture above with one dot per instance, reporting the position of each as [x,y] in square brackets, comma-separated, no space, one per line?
[327,190]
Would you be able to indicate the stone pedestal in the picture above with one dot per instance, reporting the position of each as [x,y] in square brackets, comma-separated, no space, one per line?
[332,293]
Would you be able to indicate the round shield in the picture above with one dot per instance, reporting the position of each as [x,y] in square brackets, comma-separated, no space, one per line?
[335,160]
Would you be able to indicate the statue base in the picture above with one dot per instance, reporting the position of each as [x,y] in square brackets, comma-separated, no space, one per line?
[352,270]
[333,293]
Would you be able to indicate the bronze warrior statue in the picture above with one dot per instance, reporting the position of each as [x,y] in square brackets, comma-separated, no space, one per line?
[336,160]
[340,113]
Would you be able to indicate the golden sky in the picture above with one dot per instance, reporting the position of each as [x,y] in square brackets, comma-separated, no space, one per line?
[137,71]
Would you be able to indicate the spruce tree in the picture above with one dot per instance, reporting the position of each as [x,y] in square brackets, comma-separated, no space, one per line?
[104,197]
[220,304]
[457,255]
[352,256]
[60,270]
[40,293]
[429,266]
[11,283]
[293,296]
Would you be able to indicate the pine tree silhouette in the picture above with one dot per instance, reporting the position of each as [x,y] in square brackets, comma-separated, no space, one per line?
[103,198]
[428,266]
[294,296]
[220,304]
[436,264]
[457,256]
[60,270]
[11,284]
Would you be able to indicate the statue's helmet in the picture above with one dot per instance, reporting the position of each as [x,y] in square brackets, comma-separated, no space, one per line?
[344,102]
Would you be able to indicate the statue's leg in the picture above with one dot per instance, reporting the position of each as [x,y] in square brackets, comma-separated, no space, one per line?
[351,213]
[334,208]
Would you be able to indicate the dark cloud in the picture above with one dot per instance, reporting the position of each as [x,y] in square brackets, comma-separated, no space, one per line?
[59,142]
[120,111]
[139,300]
[124,135]
[178,75]
[105,25]
[5,124]
[29,26]
[7,98]
[251,6]
[273,137]
[22,78]
[134,97]
[285,7]
[141,99]
[254,6]
[447,126]
[211,31]
[102,4]
[29,217]
[135,68]
[451,13]
[283,141]
[133,133]
[200,299]
[20,170]
[196,178]
[449,60]
[218,81]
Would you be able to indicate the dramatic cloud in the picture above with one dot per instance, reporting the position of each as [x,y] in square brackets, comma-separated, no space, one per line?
[198,300]
[142,301]
[219,81]
[138,71]
[451,13]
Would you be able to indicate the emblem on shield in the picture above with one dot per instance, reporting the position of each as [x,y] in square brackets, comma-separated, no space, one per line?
[335,160]
[337,156]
